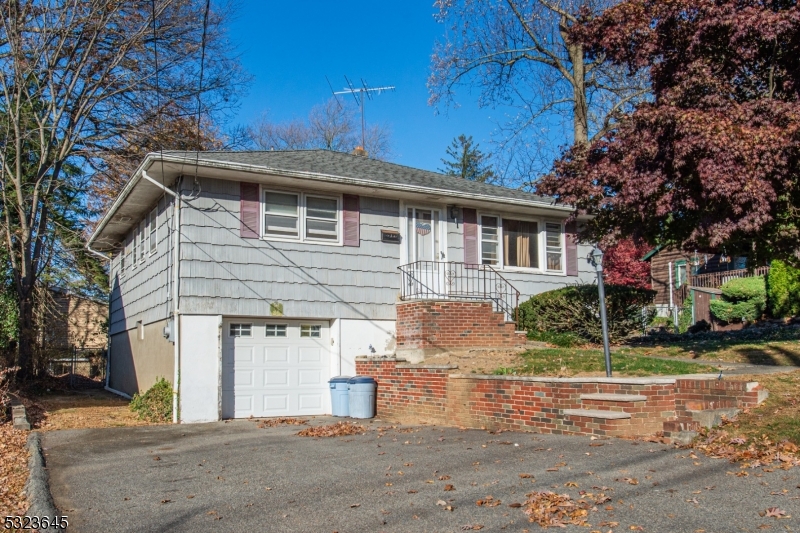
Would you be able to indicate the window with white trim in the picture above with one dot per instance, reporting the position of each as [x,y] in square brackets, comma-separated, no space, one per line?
[240,330]
[142,238]
[152,224]
[122,255]
[554,246]
[490,240]
[131,246]
[313,331]
[281,214]
[276,330]
[301,217]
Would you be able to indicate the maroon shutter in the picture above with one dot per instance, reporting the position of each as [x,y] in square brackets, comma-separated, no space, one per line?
[571,242]
[249,211]
[351,220]
[471,236]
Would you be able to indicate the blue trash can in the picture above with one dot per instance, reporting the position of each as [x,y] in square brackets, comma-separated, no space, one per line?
[362,396]
[340,405]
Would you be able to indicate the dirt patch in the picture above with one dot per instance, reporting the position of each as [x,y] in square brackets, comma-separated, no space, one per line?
[84,410]
[477,360]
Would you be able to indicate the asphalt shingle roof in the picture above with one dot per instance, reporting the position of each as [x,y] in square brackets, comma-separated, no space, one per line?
[352,166]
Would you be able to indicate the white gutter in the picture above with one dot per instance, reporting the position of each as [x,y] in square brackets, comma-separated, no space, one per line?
[95,252]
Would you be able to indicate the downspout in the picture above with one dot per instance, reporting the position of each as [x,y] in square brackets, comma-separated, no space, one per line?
[176,316]
[175,291]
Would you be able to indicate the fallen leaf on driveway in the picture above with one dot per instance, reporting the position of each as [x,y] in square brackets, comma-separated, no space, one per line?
[549,509]
[515,505]
[449,488]
[776,513]
[355,505]
[525,476]
[488,501]
[273,422]
[444,478]
[166,501]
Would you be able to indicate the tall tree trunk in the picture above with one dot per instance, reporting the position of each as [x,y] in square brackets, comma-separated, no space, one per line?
[580,115]
[27,336]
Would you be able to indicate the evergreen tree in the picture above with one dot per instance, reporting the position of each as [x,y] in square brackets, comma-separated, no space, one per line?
[466,161]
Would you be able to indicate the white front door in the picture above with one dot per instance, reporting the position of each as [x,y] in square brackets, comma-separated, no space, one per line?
[275,368]
[426,250]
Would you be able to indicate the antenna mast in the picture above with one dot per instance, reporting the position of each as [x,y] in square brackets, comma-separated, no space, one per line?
[359,93]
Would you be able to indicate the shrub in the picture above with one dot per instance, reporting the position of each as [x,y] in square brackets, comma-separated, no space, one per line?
[154,405]
[783,290]
[685,316]
[562,340]
[576,310]
[742,299]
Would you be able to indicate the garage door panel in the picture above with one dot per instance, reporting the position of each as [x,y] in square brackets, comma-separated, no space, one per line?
[276,377]
[275,403]
[308,402]
[309,355]
[276,354]
[265,374]
[243,354]
[243,379]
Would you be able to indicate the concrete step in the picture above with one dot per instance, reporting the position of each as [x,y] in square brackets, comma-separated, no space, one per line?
[614,397]
[597,413]
[676,426]
[708,418]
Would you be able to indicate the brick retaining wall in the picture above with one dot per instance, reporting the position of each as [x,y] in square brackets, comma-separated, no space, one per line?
[433,394]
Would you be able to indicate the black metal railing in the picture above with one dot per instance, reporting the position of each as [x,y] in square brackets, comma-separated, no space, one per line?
[459,281]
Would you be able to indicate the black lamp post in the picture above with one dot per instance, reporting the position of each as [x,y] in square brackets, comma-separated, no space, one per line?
[596,259]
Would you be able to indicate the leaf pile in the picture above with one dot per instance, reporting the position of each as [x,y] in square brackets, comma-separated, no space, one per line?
[13,470]
[752,453]
[557,510]
[339,429]
[272,422]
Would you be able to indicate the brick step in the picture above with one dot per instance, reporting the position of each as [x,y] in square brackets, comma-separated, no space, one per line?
[597,413]
[614,397]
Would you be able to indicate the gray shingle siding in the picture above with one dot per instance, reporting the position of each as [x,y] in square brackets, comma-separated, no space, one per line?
[143,293]
[222,273]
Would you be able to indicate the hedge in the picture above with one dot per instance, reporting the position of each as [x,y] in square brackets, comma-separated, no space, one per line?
[576,309]
[783,290]
[154,405]
[742,299]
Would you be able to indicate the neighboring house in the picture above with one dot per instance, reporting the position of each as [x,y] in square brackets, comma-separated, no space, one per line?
[289,266]
[74,322]
[674,272]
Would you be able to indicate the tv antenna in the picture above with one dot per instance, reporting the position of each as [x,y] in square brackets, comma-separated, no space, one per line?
[359,93]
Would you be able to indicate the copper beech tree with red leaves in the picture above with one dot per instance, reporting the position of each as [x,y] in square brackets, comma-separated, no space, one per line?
[712,158]
[622,264]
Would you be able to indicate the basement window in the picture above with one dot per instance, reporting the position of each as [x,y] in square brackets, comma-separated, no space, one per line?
[310,331]
[241,330]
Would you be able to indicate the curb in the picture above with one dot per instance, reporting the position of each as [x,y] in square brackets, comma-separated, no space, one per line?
[40,501]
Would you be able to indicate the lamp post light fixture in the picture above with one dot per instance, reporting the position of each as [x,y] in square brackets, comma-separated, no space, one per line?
[596,259]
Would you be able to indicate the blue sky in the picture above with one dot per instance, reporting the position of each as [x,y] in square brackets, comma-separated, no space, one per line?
[290,46]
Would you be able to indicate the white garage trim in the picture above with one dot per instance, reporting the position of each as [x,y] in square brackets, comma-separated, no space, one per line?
[275,367]
[200,368]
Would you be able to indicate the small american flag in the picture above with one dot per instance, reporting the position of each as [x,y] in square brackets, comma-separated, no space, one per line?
[423,228]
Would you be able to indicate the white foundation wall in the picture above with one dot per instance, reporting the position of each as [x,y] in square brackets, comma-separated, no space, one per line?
[352,338]
[200,368]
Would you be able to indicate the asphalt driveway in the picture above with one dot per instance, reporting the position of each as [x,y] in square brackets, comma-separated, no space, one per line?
[237,477]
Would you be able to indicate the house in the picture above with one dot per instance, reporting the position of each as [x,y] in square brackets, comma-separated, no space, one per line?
[248,279]
[677,276]
[74,322]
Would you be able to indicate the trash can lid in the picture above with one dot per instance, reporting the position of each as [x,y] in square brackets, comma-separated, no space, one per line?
[361,379]
[339,379]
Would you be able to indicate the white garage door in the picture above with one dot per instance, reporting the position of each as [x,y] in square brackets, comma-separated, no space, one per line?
[275,368]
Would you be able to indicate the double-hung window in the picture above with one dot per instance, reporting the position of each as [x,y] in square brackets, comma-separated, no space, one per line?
[554,247]
[142,237]
[152,224]
[301,217]
[490,240]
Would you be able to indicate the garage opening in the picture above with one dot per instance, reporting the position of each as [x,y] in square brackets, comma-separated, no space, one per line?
[275,367]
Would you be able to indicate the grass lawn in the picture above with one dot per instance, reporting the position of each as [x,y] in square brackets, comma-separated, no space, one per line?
[778,417]
[778,347]
[568,362]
